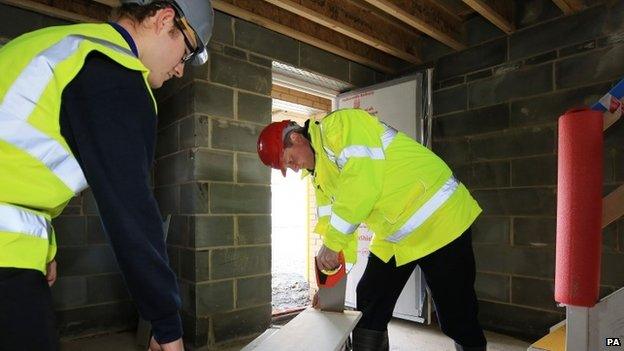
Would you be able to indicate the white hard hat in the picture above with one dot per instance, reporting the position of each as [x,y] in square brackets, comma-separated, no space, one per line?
[200,17]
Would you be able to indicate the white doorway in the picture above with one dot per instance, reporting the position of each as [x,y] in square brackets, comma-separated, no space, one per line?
[298,95]
[290,213]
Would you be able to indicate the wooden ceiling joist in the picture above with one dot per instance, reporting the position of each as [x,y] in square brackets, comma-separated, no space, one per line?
[425,18]
[72,10]
[347,18]
[111,3]
[497,12]
[450,11]
[302,29]
[569,6]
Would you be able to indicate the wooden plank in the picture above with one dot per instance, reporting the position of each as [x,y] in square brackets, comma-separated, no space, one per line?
[393,20]
[570,6]
[497,12]
[72,10]
[354,21]
[311,330]
[461,10]
[613,206]
[553,341]
[284,22]
[111,3]
[425,18]
[610,118]
[451,8]
[262,338]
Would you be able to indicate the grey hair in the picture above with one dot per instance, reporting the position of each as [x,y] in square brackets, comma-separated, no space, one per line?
[293,127]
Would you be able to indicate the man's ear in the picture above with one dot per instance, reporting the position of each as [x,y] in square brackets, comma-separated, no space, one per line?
[164,19]
[296,138]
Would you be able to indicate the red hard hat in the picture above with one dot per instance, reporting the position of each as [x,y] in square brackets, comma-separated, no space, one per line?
[271,145]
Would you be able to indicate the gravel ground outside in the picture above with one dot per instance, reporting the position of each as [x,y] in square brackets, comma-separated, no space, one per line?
[290,291]
[290,288]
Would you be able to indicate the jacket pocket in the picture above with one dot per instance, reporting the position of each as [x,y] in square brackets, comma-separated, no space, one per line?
[403,204]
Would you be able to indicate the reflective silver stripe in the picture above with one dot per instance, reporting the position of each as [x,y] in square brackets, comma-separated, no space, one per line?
[23,95]
[16,220]
[330,154]
[388,136]
[323,211]
[22,98]
[375,153]
[423,213]
[343,226]
[47,150]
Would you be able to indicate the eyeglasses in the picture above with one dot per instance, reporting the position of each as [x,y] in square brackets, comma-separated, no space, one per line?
[180,22]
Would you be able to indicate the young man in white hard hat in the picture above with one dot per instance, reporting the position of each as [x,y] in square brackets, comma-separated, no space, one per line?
[77,110]
[366,172]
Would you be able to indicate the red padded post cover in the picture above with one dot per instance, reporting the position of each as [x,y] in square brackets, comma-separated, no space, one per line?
[579,207]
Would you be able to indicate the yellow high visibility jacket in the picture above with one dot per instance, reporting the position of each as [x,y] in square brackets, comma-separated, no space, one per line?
[367,172]
[38,172]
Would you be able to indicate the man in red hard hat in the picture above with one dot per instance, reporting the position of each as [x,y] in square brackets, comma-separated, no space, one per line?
[272,150]
[365,171]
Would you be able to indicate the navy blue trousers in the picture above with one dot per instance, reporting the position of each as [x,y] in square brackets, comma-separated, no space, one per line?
[27,321]
[450,275]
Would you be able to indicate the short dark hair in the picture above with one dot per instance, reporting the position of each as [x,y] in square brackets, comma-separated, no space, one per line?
[139,12]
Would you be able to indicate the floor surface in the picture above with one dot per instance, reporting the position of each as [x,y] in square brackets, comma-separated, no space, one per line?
[404,336]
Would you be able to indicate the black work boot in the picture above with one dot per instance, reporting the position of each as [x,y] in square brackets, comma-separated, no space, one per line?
[458,347]
[370,340]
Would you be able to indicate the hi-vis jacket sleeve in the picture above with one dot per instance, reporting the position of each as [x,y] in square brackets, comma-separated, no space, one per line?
[323,212]
[355,140]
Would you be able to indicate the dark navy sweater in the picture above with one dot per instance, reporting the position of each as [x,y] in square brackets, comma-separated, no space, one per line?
[109,121]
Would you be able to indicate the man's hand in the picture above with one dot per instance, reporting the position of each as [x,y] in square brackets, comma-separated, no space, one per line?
[51,273]
[170,346]
[327,259]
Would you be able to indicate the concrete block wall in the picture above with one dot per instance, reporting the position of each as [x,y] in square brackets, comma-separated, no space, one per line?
[90,294]
[210,179]
[496,106]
